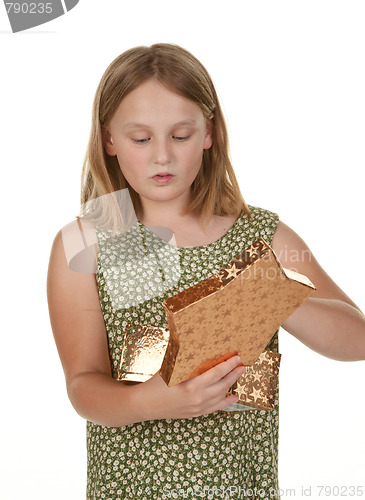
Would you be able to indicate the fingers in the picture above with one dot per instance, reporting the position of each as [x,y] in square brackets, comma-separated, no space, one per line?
[213,385]
[221,370]
[232,376]
[226,382]
[200,395]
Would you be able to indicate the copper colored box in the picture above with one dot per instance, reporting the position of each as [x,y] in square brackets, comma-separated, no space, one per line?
[237,310]
[142,352]
[256,388]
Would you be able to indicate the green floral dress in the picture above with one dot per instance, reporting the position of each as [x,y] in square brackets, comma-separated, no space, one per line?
[224,454]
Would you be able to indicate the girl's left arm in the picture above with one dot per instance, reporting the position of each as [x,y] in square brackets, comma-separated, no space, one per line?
[328,322]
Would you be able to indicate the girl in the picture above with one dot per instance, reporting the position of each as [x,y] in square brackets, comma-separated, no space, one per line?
[159,137]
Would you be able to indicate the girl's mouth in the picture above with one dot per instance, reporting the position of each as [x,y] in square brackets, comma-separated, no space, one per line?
[162,178]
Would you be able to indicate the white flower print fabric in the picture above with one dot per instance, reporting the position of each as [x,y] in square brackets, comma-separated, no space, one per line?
[229,455]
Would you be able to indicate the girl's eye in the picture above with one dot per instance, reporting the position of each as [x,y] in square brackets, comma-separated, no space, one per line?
[140,141]
[178,138]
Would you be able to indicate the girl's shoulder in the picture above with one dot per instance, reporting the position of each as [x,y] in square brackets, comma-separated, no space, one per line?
[262,223]
[259,214]
[80,245]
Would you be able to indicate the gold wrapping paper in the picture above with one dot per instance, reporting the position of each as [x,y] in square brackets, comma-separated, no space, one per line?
[142,352]
[236,310]
[256,388]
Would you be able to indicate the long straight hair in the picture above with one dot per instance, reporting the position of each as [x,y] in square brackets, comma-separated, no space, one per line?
[215,189]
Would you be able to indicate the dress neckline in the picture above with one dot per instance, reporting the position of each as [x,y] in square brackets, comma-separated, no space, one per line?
[192,248]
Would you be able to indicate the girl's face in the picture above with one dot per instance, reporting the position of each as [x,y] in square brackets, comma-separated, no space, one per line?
[158,137]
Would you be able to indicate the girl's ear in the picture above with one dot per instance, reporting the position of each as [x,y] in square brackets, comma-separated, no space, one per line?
[108,142]
[208,140]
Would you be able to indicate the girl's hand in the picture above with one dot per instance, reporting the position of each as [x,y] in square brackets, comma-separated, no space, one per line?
[197,396]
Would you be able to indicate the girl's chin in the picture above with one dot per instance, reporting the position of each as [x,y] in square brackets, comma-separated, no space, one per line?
[165,195]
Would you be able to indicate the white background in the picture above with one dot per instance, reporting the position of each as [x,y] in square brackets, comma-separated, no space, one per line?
[291,78]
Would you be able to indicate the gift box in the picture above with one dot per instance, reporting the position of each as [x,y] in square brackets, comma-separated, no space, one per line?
[256,388]
[237,310]
[143,351]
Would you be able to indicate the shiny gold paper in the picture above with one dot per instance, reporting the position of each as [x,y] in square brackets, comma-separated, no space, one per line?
[237,310]
[256,388]
[142,352]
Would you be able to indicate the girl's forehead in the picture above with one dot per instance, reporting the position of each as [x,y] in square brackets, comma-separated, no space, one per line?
[151,99]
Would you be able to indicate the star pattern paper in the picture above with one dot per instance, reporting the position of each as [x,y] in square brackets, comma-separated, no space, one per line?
[253,296]
[144,348]
[256,388]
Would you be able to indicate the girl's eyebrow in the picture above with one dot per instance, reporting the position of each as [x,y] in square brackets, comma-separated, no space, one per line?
[131,126]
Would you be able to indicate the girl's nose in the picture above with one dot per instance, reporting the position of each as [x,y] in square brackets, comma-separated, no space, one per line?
[162,152]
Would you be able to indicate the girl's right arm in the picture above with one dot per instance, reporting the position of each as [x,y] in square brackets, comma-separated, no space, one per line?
[79,331]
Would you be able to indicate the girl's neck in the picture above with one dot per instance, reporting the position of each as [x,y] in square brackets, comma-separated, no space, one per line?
[165,213]
[167,219]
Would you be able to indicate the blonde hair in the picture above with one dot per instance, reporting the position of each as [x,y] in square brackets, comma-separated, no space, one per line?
[215,190]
